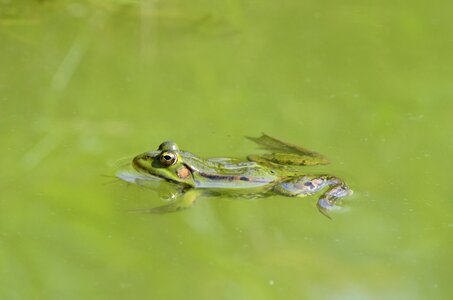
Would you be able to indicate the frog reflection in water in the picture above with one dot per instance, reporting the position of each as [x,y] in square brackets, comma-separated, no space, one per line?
[273,173]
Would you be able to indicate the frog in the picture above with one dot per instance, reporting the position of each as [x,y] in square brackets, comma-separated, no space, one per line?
[276,172]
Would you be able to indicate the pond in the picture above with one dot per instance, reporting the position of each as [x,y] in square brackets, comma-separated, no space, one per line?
[85,84]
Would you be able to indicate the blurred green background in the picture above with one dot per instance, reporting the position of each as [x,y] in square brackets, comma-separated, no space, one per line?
[85,83]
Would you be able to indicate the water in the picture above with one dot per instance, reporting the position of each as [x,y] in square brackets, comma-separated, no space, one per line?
[83,84]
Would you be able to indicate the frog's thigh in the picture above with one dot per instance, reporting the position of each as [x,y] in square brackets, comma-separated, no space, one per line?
[301,186]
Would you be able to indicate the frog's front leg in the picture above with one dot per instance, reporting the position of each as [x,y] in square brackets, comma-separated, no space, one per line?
[184,201]
[310,184]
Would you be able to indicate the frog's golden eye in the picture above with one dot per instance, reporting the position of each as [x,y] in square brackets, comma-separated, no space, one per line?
[168,158]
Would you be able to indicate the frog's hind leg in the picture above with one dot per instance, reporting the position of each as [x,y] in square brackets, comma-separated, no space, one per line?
[311,184]
[337,190]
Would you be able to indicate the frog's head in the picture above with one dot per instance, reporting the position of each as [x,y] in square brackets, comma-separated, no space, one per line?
[166,163]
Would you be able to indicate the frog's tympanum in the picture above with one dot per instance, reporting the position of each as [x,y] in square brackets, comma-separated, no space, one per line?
[274,173]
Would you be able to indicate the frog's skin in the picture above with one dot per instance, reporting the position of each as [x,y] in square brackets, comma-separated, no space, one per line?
[258,176]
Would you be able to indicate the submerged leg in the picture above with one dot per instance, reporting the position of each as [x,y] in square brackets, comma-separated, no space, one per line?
[185,201]
[310,184]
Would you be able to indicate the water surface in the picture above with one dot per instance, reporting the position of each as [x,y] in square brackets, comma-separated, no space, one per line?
[83,84]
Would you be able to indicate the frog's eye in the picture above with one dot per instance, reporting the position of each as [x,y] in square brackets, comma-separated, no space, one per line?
[168,158]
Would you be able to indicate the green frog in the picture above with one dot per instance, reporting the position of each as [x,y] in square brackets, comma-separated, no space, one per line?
[274,173]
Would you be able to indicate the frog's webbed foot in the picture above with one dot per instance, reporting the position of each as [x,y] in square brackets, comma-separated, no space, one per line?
[185,201]
[287,159]
[284,153]
[310,184]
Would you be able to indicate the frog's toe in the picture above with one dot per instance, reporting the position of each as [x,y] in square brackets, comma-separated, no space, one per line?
[173,207]
[169,208]
[168,197]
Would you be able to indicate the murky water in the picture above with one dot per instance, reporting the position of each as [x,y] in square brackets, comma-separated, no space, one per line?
[83,84]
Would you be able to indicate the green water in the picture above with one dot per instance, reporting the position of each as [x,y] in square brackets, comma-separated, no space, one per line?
[83,84]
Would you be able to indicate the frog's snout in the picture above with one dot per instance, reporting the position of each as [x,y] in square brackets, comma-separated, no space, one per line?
[136,163]
[139,162]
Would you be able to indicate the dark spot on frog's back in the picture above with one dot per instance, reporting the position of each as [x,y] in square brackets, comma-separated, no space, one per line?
[309,184]
[244,178]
